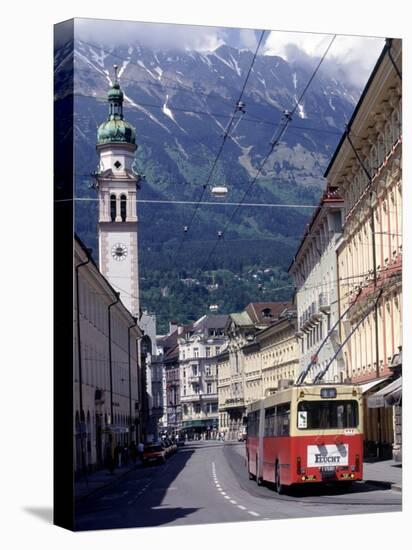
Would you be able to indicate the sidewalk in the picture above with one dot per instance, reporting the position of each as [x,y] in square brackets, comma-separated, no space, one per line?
[85,486]
[387,473]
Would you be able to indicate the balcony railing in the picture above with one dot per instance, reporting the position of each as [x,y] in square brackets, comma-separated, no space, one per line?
[190,398]
[194,379]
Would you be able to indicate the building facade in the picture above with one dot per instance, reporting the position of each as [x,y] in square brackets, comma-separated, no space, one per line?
[279,352]
[198,347]
[240,367]
[366,169]
[107,383]
[314,271]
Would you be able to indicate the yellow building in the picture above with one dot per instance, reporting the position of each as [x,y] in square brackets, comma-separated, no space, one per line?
[262,350]
[279,352]
[366,172]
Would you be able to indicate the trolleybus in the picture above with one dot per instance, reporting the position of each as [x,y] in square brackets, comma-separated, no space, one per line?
[304,434]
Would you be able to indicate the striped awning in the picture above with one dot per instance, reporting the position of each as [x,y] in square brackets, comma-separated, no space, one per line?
[388,396]
[367,386]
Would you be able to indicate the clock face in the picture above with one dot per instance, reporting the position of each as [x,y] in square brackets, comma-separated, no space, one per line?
[119,252]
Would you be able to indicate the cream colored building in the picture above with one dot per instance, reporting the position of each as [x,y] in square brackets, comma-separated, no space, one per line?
[314,270]
[366,171]
[107,381]
[199,345]
[279,352]
[240,373]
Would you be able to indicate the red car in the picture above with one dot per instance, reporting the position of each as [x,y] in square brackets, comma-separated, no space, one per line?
[154,453]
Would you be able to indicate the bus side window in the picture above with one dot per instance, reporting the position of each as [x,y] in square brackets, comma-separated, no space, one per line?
[270,422]
[283,419]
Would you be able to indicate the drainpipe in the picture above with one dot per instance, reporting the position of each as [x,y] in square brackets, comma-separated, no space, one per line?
[79,356]
[110,353]
[130,378]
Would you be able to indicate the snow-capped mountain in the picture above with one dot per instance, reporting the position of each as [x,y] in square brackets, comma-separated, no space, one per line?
[181,102]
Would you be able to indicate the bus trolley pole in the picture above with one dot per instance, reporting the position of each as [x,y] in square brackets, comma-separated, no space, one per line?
[322,373]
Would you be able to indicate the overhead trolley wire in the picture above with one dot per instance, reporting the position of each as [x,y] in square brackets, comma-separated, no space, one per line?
[225,136]
[274,143]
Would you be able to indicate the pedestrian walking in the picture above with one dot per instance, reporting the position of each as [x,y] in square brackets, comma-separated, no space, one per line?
[140,449]
[125,455]
[118,455]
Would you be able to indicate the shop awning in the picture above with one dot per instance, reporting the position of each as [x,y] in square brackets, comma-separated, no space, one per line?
[212,422]
[388,396]
[372,384]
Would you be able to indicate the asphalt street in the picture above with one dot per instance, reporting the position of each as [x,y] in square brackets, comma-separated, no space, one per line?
[207,482]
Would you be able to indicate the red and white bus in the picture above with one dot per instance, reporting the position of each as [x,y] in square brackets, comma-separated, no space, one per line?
[304,434]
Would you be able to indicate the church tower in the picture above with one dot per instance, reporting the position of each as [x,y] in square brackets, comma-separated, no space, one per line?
[117,185]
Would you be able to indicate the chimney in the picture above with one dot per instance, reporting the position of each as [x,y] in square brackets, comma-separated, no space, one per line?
[173,326]
[179,329]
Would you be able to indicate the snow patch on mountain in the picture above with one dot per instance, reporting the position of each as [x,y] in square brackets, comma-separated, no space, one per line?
[181,149]
[146,112]
[236,66]
[86,60]
[143,66]
[123,67]
[166,111]
[98,58]
[159,71]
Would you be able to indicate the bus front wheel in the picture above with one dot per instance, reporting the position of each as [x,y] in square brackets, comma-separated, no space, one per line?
[280,489]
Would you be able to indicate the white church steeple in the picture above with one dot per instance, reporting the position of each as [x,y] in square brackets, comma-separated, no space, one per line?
[117,184]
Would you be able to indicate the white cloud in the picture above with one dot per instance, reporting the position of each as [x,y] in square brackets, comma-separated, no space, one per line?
[153,35]
[350,57]
[353,55]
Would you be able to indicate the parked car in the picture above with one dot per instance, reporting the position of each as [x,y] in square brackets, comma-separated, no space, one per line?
[154,452]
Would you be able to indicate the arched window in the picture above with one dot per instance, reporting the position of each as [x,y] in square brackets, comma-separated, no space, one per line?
[123,207]
[113,207]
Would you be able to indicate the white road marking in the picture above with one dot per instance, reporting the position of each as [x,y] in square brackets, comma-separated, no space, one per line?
[227,497]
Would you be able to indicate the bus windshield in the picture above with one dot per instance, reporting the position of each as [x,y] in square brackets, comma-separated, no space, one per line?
[321,415]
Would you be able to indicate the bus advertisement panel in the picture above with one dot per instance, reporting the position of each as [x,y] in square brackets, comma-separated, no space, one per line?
[307,433]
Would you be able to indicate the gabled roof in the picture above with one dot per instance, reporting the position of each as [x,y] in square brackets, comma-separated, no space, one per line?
[210,321]
[265,312]
[241,319]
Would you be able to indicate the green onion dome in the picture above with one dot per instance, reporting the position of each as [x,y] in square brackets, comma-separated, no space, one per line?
[115,129]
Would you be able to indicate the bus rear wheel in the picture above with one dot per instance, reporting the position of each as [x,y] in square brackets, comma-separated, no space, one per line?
[280,489]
